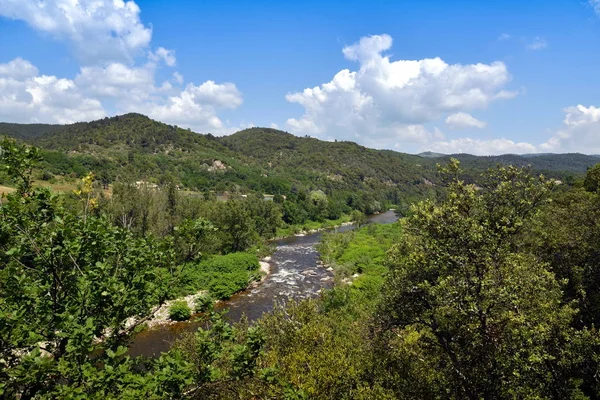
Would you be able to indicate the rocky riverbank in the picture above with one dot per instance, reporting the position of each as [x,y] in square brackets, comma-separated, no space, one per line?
[160,314]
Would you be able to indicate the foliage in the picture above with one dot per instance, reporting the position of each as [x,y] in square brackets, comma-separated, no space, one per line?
[223,358]
[204,303]
[19,161]
[358,218]
[190,235]
[592,179]
[66,281]
[179,311]
[483,291]
[486,319]
[222,275]
[317,354]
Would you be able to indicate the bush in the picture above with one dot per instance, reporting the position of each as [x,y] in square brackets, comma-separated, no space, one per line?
[180,311]
[226,285]
[231,263]
[221,275]
[204,303]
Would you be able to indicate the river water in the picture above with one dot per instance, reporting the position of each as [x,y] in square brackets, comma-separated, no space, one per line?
[296,273]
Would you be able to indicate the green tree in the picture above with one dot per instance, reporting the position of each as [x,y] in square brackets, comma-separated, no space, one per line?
[358,218]
[236,226]
[191,236]
[592,179]
[19,161]
[67,286]
[488,320]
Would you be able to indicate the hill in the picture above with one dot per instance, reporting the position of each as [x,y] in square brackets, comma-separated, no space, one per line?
[27,131]
[135,147]
[346,163]
[549,164]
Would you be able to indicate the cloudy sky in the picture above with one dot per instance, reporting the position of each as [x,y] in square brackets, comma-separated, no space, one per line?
[447,76]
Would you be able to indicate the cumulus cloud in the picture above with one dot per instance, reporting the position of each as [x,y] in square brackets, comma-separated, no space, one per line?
[134,89]
[464,120]
[26,96]
[580,132]
[504,36]
[98,29]
[117,74]
[168,56]
[385,100]
[194,107]
[117,80]
[481,147]
[538,43]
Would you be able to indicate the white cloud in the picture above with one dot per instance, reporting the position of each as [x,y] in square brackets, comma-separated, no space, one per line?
[194,107]
[384,100]
[464,120]
[18,69]
[580,132]
[504,36]
[274,125]
[481,147]
[168,56]
[98,29]
[118,72]
[26,96]
[538,43]
[118,81]
[178,77]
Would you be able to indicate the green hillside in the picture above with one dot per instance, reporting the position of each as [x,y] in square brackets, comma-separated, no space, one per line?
[135,147]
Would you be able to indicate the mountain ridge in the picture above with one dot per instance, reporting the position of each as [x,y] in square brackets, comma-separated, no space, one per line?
[256,159]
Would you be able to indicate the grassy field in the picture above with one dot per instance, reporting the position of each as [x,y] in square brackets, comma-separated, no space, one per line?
[59,187]
[6,189]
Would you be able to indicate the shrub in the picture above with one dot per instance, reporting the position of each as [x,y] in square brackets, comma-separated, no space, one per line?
[180,311]
[231,263]
[204,303]
[226,285]
[221,275]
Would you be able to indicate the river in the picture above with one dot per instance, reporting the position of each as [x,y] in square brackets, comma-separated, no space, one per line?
[296,273]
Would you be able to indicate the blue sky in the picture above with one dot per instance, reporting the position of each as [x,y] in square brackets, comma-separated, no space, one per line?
[448,76]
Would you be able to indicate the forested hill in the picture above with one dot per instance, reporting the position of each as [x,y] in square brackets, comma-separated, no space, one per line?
[131,132]
[338,161]
[574,163]
[28,131]
[347,160]
[134,146]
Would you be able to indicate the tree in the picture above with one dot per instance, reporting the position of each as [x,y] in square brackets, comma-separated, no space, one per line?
[19,161]
[236,226]
[487,320]
[358,218]
[68,283]
[191,235]
[592,179]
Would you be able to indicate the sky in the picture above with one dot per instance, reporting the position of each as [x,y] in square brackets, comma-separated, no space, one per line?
[477,77]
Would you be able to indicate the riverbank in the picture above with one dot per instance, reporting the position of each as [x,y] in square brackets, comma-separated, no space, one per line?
[160,314]
[311,227]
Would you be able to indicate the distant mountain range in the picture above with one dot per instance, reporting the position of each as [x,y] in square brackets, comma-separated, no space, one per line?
[133,146]
[431,154]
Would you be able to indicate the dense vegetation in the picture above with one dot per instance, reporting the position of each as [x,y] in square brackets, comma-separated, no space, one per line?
[486,290]
[133,148]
